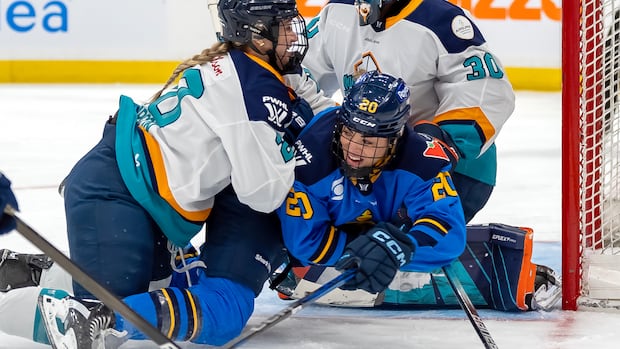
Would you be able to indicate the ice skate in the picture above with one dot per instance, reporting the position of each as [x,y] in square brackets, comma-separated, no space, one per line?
[547,288]
[73,323]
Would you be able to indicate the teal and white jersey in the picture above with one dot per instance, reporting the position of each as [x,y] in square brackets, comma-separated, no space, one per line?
[221,124]
[454,78]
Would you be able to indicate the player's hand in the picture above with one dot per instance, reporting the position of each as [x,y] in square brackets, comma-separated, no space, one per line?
[377,255]
[301,116]
[7,222]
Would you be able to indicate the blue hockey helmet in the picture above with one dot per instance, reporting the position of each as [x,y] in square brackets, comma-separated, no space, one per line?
[243,19]
[377,105]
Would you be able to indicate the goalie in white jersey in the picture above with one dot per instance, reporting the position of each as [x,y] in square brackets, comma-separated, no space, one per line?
[212,149]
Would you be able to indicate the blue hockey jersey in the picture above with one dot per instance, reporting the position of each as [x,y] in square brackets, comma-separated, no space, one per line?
[325,210]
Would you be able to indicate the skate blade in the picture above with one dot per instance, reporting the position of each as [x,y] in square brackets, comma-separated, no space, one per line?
[54,312]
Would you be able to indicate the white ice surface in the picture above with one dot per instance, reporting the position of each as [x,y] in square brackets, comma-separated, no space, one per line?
[45,129]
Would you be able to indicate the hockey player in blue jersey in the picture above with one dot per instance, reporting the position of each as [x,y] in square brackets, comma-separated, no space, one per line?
[460,94]
[323,214]
[358,167]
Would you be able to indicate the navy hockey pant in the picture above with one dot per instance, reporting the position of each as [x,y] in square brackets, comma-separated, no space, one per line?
[110,235]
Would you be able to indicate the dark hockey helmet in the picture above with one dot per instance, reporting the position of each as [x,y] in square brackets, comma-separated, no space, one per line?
[241,20]
[368,11]
[373,11]
[377,105]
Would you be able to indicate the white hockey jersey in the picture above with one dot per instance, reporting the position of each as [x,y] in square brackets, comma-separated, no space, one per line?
[434,46]
[220,125]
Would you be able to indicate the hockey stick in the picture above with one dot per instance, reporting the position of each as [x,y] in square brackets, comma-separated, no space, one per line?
[104,295]
[293,308]
[468,307]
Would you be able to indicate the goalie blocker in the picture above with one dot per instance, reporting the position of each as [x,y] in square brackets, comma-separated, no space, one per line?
[495,269]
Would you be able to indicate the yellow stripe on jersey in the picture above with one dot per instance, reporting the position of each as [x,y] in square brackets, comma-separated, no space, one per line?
[330,240]
[390,21]
[194,315]
[171,310]
[162,181]
[474,113]
[267,66]
[433,223]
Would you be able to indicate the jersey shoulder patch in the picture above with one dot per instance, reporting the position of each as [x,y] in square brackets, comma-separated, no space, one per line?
[421,155]
[265,96]
[449,22]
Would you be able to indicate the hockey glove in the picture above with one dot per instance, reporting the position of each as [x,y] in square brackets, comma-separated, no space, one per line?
[377,255]
[7,222]
[446,142]
[302,114]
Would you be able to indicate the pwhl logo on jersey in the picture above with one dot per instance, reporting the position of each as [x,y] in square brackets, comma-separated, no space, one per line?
[278,110]
[303,156]
[434,150]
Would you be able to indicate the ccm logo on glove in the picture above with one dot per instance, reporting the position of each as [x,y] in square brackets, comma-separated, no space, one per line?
[392,245]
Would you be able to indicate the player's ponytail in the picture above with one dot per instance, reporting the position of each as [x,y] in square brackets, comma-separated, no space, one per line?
[207,55]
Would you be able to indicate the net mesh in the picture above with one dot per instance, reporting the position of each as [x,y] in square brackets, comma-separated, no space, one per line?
[599,146]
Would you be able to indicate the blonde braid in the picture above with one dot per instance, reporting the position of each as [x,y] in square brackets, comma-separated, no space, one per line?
[207,55]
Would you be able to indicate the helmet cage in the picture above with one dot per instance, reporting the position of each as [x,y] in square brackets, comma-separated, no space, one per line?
[376,106]
[386,152]
[243,19]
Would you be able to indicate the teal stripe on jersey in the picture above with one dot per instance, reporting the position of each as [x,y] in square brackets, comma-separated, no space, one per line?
[129,151]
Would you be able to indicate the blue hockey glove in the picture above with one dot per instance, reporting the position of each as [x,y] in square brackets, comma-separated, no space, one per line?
[7,222]
[302,114]
[377,255]
[446,142]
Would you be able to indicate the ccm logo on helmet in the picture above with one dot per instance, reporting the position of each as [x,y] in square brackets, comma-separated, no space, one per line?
[391,244]
[364,122]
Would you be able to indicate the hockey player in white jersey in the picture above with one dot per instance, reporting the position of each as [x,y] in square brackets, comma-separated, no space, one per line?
[211,149]
[456,81]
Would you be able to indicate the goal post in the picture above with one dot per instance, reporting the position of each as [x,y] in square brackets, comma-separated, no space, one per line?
[590,154]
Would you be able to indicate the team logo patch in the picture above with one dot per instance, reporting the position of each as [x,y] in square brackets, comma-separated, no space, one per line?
[278,111]
[435,150]
[462,28]
[303,156]
[338,189]
[366,216]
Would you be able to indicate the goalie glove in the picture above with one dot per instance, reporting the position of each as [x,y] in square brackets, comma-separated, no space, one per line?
[376,255]
[445,140]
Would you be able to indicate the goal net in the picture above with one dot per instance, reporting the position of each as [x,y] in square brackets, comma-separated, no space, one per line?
[591,154]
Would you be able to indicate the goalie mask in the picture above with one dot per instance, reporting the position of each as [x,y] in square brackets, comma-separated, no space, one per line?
[370,122]
[245,21]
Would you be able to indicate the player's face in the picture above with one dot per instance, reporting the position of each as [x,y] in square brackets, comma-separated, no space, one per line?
[292,41]
[362,151]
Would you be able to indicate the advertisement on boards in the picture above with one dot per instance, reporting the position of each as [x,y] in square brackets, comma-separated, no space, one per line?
[525,34]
